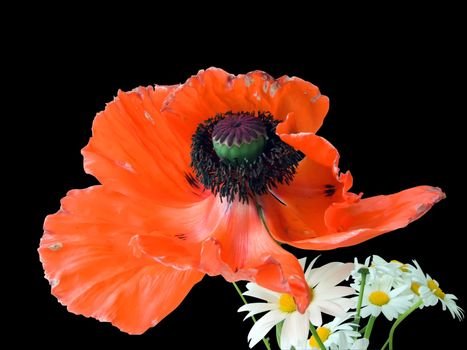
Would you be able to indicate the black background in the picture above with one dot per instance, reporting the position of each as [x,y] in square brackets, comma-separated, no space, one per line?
[394,118]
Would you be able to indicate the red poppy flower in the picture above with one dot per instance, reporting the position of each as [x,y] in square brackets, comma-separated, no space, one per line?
[201,178]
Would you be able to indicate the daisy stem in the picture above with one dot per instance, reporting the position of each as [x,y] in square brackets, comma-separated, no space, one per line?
[369,327]
[265,341]
[316,336]
[398,321]
[364,272]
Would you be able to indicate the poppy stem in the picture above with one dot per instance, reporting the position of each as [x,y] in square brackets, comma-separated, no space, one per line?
[265,341]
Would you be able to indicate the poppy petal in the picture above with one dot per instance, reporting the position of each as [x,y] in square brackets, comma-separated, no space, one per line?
[93,270]
[296,211]
[353,223]
[134,151]
[239,248]
[247,248]
[215,91]
[316,212]
[190,223]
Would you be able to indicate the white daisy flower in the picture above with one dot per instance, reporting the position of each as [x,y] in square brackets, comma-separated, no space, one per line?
[352,344]
[397,270]
[325,295]
[378,297]
[332,333]
[379,268]
[429,291]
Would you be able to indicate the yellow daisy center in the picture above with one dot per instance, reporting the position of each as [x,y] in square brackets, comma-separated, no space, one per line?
[379,298]
[286,303]
[402,267]
[432,284]
[415,287]
[323,334]
[435,289]
[439,293]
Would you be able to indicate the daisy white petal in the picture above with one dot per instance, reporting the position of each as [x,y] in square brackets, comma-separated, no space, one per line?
[346,304]
[331,308]
[259,292]
[318,272]
[399,290]
[264,325]
[449,303]
[315,315]
[256,308]
[338,273]
[302,262]
[325,295]
[402,303]
[390,313]
[360,344]
[367,311]
[294,331]
[335,292]
[385,283]
[310,267]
